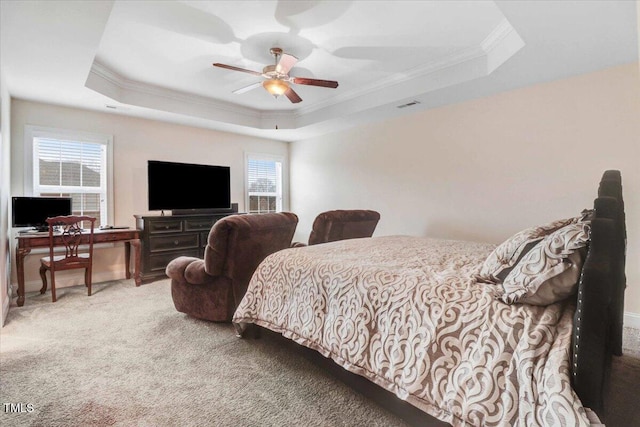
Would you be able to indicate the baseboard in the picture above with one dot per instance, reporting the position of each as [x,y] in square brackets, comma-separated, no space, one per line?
[632,320]
[5,309]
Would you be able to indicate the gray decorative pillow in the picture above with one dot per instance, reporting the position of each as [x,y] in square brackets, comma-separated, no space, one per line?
[550,271]
[507,254]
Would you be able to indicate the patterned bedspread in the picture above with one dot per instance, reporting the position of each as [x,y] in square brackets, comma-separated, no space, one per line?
[406,313]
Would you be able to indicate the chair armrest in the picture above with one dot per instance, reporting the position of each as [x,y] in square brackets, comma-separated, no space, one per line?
[195,273]
[188,269]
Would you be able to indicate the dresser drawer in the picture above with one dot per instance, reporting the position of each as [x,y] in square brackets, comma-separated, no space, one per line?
[198,224]
[173,242]
[165,226]
[158,262]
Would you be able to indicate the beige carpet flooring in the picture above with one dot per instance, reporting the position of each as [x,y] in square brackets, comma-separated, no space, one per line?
[126,357]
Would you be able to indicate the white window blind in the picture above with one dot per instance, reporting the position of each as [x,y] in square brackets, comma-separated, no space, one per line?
[264,181]
[76,169]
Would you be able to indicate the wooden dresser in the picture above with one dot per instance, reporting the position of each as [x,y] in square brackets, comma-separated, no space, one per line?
[164,238]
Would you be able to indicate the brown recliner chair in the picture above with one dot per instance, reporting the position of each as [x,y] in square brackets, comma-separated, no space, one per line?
[336,225]
[211,288]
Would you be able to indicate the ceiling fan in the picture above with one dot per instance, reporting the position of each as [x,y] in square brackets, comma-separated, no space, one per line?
[277,80]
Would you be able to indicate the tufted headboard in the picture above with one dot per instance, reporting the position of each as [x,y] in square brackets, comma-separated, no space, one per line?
[597,330]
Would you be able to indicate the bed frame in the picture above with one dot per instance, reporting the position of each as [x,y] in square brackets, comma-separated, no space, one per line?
[597,330]
[597,326]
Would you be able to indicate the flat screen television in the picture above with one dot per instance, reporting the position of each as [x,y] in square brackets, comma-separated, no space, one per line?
[34,211]
[187,188]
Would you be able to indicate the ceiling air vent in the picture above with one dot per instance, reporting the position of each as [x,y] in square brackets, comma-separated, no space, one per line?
[409,104]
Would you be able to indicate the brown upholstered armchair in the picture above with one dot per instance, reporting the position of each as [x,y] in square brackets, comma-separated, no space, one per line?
[211,288]
[336,225]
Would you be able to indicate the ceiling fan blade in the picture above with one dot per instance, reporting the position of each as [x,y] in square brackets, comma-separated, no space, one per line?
[315,82]
[286,63]
[231,67]
[248,88]
[293,96]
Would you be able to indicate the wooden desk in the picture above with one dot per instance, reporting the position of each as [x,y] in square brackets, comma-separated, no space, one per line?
[130,237]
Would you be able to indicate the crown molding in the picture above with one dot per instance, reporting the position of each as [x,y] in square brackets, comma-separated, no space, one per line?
[455,59]
[499,33]
[492,42]
[122,83]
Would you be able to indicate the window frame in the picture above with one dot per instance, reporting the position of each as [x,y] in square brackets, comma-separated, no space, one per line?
[280,204]
[31,132]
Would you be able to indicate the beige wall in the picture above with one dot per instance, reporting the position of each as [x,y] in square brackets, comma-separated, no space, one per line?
[486,168]
[135,141]
[5,170]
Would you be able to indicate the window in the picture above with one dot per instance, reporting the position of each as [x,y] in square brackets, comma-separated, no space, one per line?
[70,164]
[264,183]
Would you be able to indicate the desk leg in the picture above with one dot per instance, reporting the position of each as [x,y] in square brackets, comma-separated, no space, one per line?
[136,261]
[127,259]
[21,253]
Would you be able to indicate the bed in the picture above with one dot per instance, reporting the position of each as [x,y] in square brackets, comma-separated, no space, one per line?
[429,322]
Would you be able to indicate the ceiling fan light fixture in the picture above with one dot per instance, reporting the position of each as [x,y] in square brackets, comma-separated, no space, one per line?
[275,87]
[277,77]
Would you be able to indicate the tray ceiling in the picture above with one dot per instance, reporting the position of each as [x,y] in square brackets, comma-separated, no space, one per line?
[154,58]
